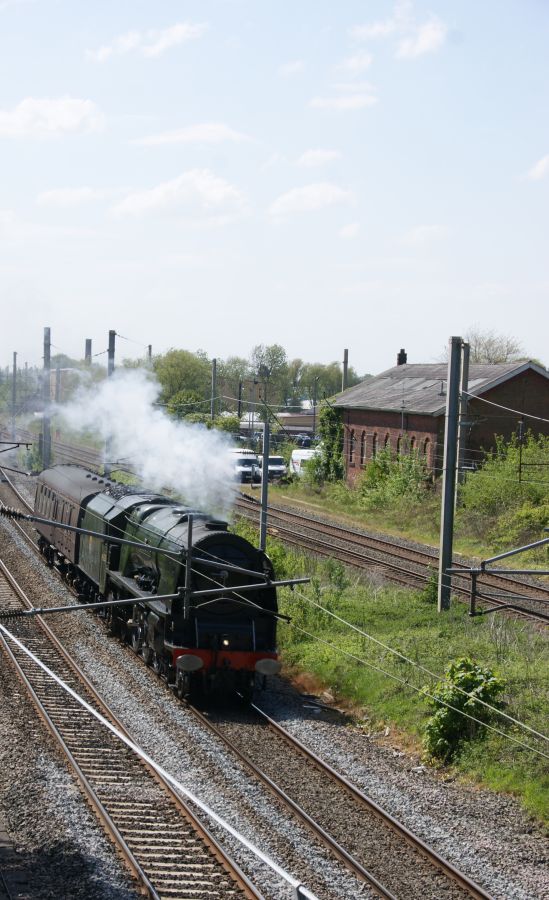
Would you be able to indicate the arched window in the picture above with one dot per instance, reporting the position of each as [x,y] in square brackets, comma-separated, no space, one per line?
[387,442]
[412,444]
[427,452]
[362,448]
[399,444]
[352,447]
[374,445]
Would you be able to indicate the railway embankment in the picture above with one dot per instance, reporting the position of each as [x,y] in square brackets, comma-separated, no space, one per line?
[382,649]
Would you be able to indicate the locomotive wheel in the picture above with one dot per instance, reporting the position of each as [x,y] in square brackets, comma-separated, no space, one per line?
[158,664]
[183,685]
[147,654]
[137,639]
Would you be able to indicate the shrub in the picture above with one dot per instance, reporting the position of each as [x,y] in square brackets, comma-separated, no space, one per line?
[448,728]
[387,479]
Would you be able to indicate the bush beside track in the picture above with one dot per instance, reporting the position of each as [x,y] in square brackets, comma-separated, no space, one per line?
[408,622]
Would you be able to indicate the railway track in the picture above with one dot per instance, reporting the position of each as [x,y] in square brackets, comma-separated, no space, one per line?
[384,889]
[421,872]
[408,566]
[166,848]
[377,848]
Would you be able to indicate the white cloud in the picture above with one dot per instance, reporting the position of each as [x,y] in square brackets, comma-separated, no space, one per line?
[426,38]
[204,133]
[350,231]
[350,97]
[17,231]
[69,197]
[539,170]
[414,40]
[312,158]
[291,68]
[356,64]
[311,198]
[151,43]
[386,27]
[47,117]
[197,193]
[422,235]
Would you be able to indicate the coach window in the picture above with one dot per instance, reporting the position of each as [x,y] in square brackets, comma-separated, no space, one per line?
[352,447]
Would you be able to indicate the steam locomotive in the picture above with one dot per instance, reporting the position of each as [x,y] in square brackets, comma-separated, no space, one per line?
[205,608]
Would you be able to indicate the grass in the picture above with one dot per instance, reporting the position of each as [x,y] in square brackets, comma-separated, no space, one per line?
[380,686]
[416,521]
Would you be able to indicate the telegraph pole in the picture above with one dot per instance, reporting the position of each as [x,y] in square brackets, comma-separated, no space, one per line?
[463,408]
[88,352]
[110,371]
[13,395]
[214,388]
[239,408]
[449,473]
[46,376]
[149,354]
[345,369]
[264,483]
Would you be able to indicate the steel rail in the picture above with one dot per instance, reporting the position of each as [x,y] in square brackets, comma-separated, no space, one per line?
[229,865]
[399,573]
[416,842]
[346,858]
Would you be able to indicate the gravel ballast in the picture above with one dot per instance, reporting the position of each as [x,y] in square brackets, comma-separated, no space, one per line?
[484,834]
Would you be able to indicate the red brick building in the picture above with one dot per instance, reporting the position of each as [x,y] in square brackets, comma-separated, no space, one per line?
[404,409]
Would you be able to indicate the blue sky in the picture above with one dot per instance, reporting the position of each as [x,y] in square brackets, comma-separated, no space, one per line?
[362,175]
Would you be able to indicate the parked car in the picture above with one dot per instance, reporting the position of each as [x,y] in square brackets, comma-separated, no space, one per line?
[277,468]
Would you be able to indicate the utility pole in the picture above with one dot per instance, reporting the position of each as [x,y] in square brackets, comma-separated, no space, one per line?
[315,389]
[264,483]
[88,352]
[345,369]
[449,473]
[214,388]
[110,360]
[110,371]
[46,376]
[13,395]
[239,407]
[463,408]
[150,355]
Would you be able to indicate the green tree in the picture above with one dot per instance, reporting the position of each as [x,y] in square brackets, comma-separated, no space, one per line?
[270,365]
[183,371]
[230,372]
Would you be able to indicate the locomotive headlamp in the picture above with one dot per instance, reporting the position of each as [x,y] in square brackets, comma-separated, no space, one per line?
[225,642]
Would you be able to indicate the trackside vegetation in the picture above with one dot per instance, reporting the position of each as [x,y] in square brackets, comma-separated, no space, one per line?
[383,667]
[504,503]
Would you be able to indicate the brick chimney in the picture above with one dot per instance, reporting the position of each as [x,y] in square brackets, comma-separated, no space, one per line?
[402,357]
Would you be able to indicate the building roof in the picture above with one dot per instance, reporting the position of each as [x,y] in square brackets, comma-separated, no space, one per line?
[422,388]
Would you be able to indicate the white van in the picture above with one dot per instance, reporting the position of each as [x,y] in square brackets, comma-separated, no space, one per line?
[246,465]
[277,468]
[299,457]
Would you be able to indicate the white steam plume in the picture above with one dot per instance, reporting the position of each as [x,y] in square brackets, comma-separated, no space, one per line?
[167,454]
